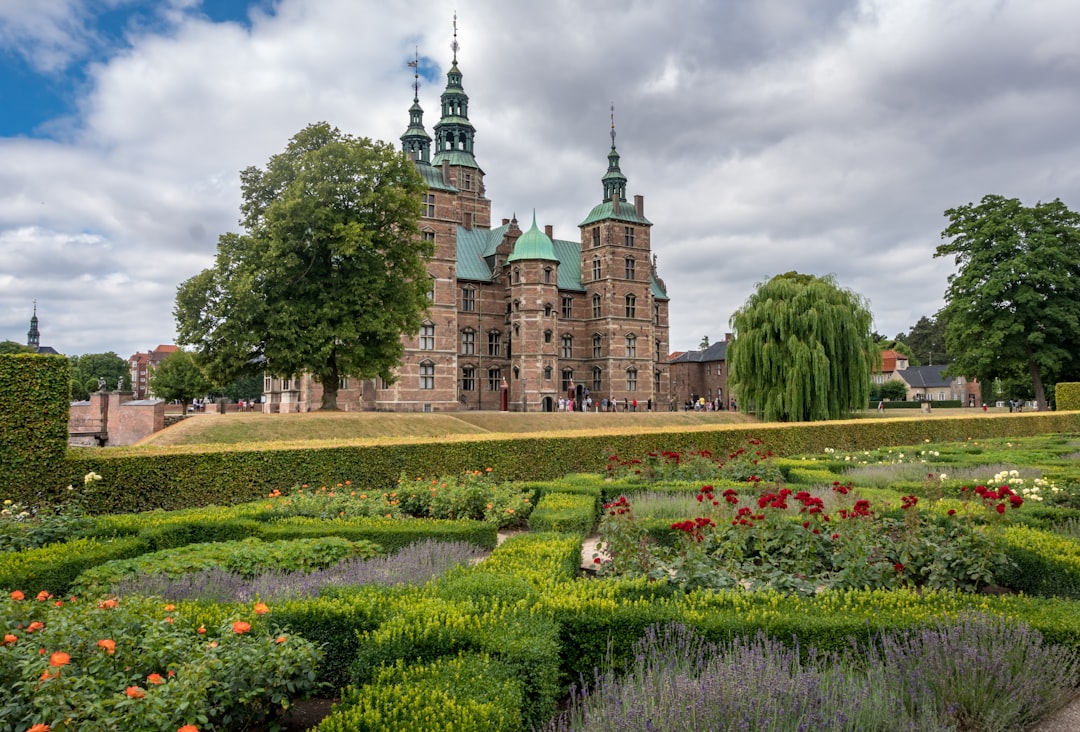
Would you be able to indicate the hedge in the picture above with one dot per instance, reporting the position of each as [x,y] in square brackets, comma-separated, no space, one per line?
[564,512]
[34,407]
[173,478]
[1067,395]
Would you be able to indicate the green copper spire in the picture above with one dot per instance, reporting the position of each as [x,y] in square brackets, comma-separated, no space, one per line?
[33,336]
[533,244]
[454,133]
[416,142]
[614,181]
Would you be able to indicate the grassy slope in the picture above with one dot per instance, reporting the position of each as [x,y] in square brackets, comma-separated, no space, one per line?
[231,429]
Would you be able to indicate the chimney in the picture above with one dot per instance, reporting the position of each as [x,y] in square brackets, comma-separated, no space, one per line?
[547,230]
[505,222]
[639,206]
[615,205]
[446,171]
[728,337]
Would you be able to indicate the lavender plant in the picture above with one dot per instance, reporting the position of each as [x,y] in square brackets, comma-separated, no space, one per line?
[974,672]
[413,565]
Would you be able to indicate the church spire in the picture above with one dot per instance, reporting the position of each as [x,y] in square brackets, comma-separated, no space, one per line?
[416,143]
[454,133]
[33,337]
[614,181]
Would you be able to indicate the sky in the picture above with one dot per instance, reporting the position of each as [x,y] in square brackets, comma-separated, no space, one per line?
[824,137]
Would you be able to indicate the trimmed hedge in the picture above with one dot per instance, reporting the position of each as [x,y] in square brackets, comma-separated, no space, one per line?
[1067,396]
[564,512]
[54,568]
[34,407]
[1045,564]
[176,478]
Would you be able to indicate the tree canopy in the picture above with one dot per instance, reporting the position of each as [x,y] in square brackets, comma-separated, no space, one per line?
[179,377]
[1014,303]
[328,274]
[802,350]
[89,367]
[13,347]
[926,342]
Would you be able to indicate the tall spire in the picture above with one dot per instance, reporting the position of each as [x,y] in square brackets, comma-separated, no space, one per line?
[416,142]
[454,133]
[33,337]
[614,181]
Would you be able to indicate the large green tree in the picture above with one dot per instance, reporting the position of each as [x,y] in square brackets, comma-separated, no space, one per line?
[179,377]
[328,274]
[926,339]
[1014,304]
[88,368]
[802,350]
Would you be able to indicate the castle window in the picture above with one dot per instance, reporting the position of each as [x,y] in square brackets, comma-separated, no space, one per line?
[628,236]
[547,275]
[431,289]
[494,379]
[656,386]
[427,235]
[427,375]
[629,268]
[343,383]
[631,306]
[567,379]
[631,346]
[517,306]
[656,314]
[547,310]
[596,306]
[596,236]
[429,205]
[468,299]
[468,182]
[596,268]
[567,346]
[597,346]
[494,343]
[427,337]
[517,275]
[656,353]
[547,373]
[631,379]
[468,379]
[517,330]
[547,336]
[597,380]
[567,306]
[468,342]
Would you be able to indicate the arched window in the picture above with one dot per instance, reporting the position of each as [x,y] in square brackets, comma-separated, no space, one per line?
[547,310]
[547,373]
[517,275]
[427,375]
[547,275]
[547,336]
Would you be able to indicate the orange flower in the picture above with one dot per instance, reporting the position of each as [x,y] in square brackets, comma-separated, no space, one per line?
[241,627]
[43,596]
[281,639]
[9,639]
[135,692]
[59,658]
[188,728]
[39,727]
[261,608]
[363,495]
[155,679]
[201,630]
[489,469]
[108,604]
[58,603]
[170,607]
[45,675]
[108,645]
[18,596]
[212,644]
[36,625]
[169,621]
[348,482]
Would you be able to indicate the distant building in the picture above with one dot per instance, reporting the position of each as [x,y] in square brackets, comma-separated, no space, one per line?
[33,337]
[701,374]
[540,317]
[930,384]
[141,365]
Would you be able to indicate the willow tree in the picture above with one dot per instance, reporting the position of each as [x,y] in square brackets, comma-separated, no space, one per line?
[802,350]
[328,275]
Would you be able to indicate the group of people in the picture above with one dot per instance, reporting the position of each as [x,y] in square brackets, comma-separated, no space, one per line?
[604,405]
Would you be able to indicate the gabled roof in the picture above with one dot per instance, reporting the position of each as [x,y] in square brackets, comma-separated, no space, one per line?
[715,352]
[925,377]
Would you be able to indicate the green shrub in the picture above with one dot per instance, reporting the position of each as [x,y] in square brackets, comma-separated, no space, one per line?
[55,568]
[33,426]
[1067,396]
[564,512]
[1044,564]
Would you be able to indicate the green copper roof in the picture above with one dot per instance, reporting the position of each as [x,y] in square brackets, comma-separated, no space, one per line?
[472,246]
[606,210]
[657,290]
[533,244]
[569,255]
[456,157]
[433,177]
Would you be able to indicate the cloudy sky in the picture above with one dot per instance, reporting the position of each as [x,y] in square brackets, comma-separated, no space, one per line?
[766,136]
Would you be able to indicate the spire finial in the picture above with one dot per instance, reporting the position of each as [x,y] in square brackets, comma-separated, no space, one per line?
[613,125]
[454,46]
[415,66]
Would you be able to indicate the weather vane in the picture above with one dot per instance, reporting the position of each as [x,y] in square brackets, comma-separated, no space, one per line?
[454,46]
[613,124]
[415,66]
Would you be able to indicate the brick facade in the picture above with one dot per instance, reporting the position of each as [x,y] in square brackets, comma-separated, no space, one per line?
[539,316]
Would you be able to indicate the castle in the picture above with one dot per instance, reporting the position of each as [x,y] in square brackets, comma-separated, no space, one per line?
[517,319]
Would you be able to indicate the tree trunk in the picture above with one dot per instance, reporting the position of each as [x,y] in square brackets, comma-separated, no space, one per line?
[1036,380]
[330,383]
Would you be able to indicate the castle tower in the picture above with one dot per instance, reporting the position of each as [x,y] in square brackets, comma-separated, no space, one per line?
[534,291]
[33,336]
